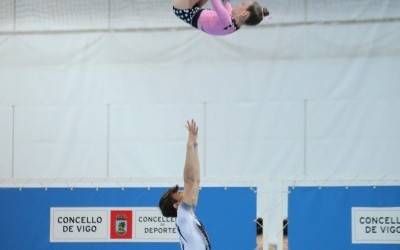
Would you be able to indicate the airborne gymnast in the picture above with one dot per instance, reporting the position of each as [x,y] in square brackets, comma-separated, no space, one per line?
[222,19]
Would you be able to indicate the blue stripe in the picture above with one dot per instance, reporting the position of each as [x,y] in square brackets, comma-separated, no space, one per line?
[179,230]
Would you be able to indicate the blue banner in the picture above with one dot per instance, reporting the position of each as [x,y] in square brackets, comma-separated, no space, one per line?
[351,218]
[29,216]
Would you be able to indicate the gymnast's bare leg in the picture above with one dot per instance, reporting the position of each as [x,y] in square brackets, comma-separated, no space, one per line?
[188,4]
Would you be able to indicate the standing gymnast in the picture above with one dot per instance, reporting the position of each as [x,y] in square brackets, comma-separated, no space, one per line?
[222,19]
[182,204]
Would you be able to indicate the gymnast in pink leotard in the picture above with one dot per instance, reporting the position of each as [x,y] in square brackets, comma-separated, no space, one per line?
[222,19]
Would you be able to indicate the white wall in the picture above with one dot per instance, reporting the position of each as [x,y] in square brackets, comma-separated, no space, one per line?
[90,101]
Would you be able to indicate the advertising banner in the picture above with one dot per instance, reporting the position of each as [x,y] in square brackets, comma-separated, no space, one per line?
[120,219]
[331,218]
[376,225]
[104,224]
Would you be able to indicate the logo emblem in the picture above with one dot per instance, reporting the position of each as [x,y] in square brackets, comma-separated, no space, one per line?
[121,224]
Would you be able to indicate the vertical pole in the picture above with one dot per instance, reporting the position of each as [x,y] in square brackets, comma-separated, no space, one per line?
[204,139]
[13,143]
[284,191]
[305,138]
[108,141]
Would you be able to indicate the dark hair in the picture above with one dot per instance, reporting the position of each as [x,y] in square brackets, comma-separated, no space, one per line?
[256,14]
[259,223]
[285,227]
[167,202]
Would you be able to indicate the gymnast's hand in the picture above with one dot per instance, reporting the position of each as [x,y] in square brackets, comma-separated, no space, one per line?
[193,129]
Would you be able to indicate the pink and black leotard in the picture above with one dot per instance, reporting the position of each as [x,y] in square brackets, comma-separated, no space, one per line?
[217,21]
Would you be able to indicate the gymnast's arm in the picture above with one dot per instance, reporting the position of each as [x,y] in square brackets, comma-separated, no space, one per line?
[228,6]
[223,14]
[191,172]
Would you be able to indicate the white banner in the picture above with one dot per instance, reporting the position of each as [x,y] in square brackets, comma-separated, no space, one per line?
[154,226]
[375,225]
[105,224]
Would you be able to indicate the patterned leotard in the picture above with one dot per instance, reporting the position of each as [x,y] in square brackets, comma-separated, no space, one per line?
[217,21]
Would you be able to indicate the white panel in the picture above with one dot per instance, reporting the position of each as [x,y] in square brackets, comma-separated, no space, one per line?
[361,41]
[5,142]
[285,11]
[150,139]
[125,68]
[255,138]
[143,14]
[61,15]
[132,49]
[54,142]
[350,137]
[273,64]
[322,10]
[6,15]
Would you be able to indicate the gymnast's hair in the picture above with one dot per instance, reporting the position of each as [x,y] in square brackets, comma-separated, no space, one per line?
[167,202]
[256,14]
